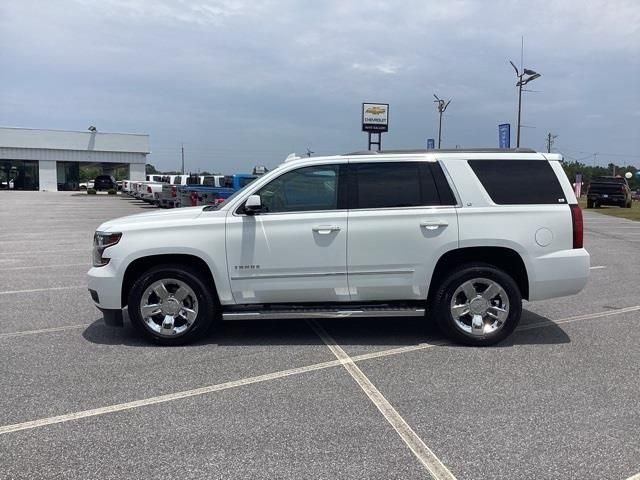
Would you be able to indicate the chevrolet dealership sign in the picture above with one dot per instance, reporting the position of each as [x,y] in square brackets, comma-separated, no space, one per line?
[375,117]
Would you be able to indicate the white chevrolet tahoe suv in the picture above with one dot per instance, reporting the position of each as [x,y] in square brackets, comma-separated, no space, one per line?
[459,237]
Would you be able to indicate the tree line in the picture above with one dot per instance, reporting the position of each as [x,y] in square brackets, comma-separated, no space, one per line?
[589,172]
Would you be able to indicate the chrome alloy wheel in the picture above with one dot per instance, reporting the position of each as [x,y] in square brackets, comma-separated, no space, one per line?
[169,307]
[480,306]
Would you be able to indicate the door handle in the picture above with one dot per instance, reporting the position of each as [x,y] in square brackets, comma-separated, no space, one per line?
[326,229]
[434,224]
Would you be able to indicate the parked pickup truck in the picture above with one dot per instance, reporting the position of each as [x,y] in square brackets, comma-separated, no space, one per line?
[150,191]
[213,194]
[167,196]
[609,191]
[366,235]
[183,193]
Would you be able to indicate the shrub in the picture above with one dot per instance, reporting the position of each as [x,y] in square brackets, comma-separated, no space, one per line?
[91,191]
[112,192]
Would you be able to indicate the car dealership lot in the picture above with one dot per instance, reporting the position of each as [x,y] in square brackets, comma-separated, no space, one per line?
[558,399]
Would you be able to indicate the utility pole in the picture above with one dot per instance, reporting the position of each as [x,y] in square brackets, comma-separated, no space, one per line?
[550,139]
[442,106]
[182,149]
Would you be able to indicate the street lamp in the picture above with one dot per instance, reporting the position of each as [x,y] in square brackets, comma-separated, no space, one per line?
[522,80]
[442,106]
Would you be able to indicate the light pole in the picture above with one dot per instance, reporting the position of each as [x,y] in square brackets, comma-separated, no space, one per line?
[442,106]
[522,80]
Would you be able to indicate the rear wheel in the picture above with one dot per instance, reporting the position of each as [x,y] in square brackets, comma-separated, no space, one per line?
[172,305]
[478,304]
[589,203]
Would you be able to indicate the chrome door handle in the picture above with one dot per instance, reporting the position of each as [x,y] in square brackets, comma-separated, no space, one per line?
[326,229]
[434,224]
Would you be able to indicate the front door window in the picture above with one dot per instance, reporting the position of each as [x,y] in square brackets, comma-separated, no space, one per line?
[303,190]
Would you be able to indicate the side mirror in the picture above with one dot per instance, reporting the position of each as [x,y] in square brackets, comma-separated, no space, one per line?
[253,205]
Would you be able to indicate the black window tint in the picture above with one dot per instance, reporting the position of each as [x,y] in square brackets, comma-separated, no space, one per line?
[393,184]
[304,189]
[444,190]
[519,182]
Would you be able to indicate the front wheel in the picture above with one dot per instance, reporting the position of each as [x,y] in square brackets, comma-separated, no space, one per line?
[478,304]
[172,304]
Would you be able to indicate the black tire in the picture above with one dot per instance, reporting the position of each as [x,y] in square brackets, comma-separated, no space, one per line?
[207,307]
[441,304]
[589,203]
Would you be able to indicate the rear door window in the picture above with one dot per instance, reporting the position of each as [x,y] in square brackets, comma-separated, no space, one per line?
[519,182]
[395,185]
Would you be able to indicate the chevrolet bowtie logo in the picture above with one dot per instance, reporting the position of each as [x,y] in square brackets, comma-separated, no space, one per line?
[375,110]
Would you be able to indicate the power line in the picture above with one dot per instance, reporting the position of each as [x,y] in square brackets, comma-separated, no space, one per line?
[631,155]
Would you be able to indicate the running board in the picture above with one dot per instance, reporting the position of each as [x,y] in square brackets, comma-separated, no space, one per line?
[271,314]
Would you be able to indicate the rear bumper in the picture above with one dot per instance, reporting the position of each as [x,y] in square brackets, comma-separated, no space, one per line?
[608,199]
[559,274]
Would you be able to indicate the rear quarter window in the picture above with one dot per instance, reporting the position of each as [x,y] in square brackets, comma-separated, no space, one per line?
[519,182]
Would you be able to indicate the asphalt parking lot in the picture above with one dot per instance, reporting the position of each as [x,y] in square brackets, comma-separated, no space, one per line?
[348,399]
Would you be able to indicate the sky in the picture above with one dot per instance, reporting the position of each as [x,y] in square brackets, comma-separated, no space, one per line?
[242,83]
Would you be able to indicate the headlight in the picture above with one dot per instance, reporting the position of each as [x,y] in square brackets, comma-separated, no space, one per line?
[101,241]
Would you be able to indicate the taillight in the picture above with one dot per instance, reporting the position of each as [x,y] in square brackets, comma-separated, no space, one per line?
[173,191]
[578,226]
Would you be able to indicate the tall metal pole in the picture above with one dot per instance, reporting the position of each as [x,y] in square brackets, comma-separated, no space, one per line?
[519,110]
[182,158]
[442,106]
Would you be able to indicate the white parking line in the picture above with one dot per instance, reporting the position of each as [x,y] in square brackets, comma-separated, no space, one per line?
[424,454]
[8,292]
[261,378]
[634,477]
[615,226]
[36,251]
[165,398]
[589,316]
[43,330]
[597,267]
[86,264]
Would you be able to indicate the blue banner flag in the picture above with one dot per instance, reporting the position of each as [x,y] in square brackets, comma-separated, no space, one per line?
[504,135]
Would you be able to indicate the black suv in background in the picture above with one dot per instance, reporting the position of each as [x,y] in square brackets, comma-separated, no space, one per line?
[104,182]
[609,191]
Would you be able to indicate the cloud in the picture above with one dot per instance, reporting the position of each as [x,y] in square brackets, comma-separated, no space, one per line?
[241,79]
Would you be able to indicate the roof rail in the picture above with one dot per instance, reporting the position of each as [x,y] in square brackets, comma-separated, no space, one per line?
[446,150]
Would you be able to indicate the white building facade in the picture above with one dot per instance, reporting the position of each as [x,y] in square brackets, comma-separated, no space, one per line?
[49,160]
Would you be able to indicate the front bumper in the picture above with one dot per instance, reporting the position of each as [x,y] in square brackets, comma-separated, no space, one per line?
[107,285]
[113,318]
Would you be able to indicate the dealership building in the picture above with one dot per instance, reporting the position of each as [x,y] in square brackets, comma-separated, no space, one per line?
[33,159]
